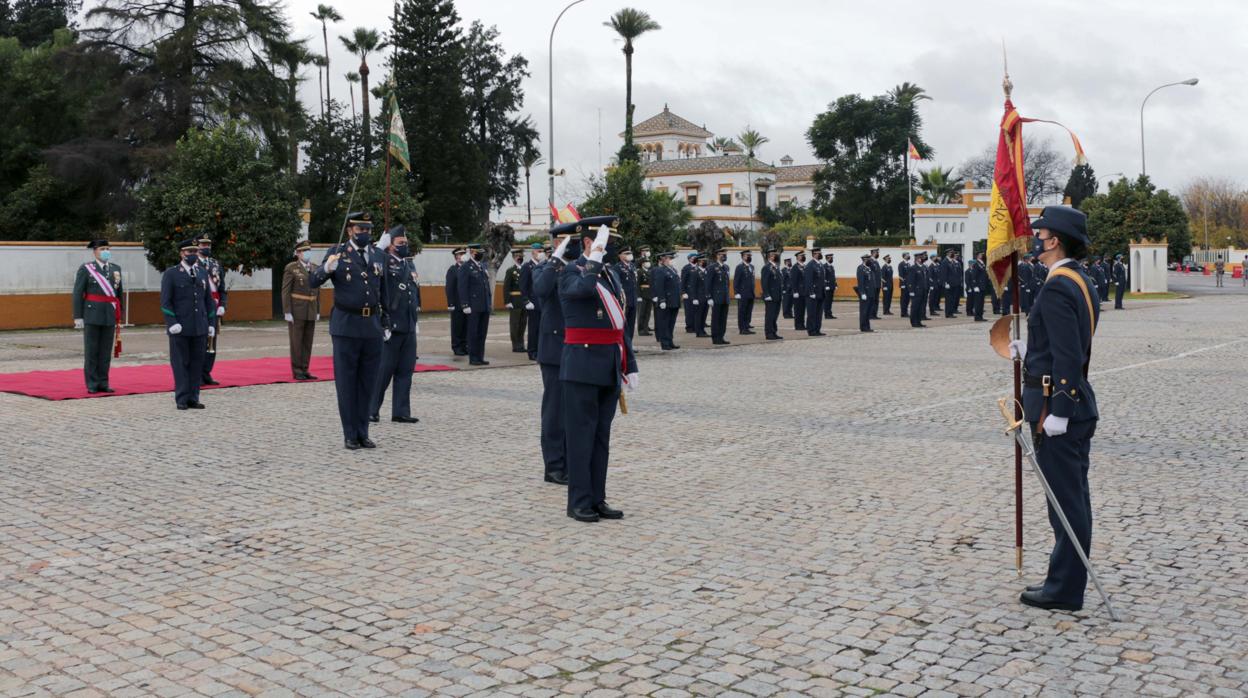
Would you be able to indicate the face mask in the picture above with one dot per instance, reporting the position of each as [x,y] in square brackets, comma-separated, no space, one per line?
[747,259]
[362,239]
[626,258]
[300,256]
[541,256]
[106,255]
[1037,245]
[401,250]
[645,264]
[205,253]
[192,258]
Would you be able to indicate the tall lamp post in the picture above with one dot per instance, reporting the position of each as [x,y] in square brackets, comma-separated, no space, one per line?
[1189,81]
[550,135]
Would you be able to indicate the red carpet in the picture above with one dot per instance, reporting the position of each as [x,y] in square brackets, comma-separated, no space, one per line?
[158,378]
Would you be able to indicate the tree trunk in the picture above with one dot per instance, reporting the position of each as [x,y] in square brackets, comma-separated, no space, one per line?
[528,198]
[294,135]
[183,105]
[325,35]
[320,91]
[366,133]
[628,93]
[352,88]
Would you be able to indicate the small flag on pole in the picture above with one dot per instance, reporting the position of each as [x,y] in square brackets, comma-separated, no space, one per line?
[576,215]
[398,137]
[1009,227]
[914,152]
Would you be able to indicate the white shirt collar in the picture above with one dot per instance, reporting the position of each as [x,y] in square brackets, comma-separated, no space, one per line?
[188,267]
[1060,262]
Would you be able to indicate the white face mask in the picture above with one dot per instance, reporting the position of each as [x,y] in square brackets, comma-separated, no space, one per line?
[626,257]
[541,256]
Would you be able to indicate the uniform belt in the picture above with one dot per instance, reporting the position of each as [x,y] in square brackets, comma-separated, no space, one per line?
[598,335]
[1035,381]
[366,311]
[514,293]
[216,296]
[302,297]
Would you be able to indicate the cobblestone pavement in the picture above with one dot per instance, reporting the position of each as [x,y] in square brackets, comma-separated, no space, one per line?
[822,517]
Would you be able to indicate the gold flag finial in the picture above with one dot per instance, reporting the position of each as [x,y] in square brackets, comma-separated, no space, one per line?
[1006,85]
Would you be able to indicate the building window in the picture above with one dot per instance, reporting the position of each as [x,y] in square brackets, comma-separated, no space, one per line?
[725,195]
[961,227]
[691,196]
[762,197]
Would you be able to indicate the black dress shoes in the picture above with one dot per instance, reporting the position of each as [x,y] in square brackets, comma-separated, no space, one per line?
[749,332]
[643,333]
[831,317]
[405,420]
[107,389]
[195,405]
[352,445]
[1037,599]
[209,381]
[775,336]
[559,478]
[866,330]
[309,377]
[374,418]
[887,313]
[673,346]
[702,335]
[478,363]
[607,512]
[720,341]
[182,407]
[367,443]
[665,347]
[1035,587]
[584,515]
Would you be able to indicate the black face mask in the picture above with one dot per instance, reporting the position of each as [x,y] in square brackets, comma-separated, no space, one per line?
[362,239]
[401,250]
[205,253]
[571,252]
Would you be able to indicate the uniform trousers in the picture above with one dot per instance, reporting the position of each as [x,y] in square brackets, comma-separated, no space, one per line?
[356,363]
[691,314]
[398,361]
[588,411]
[210,360]
[904,302]
[535,328]
[1064,460]
[478,327]
[827,303]
[814,318]
[786,305]
[186,356]
[459,333]
[745,313]
[719,320]
[799,312]
[771,315]
[630,323]
[916,308]
[518,320]
[644,310]
[552,437]
[1119,290]
[888,299]
[864,313]
[301,334]
[97,354]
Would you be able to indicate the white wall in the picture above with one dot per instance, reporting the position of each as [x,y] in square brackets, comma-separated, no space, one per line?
[1148,268]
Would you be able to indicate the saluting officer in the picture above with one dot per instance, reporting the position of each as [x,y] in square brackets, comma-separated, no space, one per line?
[97,312]
[1120,281]
[916,285]
[886,281]
[220,296]
[550,353]
[812,281]
[398,349]
[864,290]
[301,308]
[357,325]
[773,291]
[903,280]
[1058,400]
[645,304]
[514,301]
[459,321]
[475,296]
[597,363]
[628,278]
[665,287]
[189,311]
[536,257]
[743,292]
[717,278]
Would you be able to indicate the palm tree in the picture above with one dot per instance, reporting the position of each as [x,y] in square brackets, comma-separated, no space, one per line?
[532,158]
[352,78]
[630,24]
[323,14]
[321,62]
[364,41]
[907,95]
[752,140]
[720,144]
[938,185]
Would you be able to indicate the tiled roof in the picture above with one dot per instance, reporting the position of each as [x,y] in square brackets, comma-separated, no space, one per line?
[666,122]
[797,173]
[717,163]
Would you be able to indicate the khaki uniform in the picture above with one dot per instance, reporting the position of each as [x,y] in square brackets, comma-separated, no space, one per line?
[515,298]
[303,303]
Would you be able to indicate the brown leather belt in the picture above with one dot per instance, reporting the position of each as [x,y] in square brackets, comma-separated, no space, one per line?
[302,297]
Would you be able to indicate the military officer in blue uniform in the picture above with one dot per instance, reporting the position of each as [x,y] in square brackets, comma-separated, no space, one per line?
[550,352]
[476,289]
[916,286]
[976,285]
[1100,278]
[864,289]
[537,256]
[829,286]
[873,261]
[1058,401]
[704,286]
[358,324]
[220,296]
[628,277]
[886,282]
[813,283]
[689,292]
[665,287]
[97,306]
[597,363]
[645,307]
[786,306]
[1120,281]
[903,281]
[459,321]
[797,290]
[717,296]
[398,348]
[935,287]
[1025,286]
[773,293]
[187,306]
[743,292]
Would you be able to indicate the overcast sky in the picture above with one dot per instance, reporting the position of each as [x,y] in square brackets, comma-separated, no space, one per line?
[775,65]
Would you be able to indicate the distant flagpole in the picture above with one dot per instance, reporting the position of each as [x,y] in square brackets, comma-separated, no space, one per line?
[910,191]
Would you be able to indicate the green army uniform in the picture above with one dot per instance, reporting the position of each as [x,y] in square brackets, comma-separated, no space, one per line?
[515,299]
[301,307]
[99,316]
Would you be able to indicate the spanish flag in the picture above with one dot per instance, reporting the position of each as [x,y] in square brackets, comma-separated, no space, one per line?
[1009,227]
[913,151]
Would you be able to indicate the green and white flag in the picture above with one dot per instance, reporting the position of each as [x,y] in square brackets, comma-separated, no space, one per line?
[398,137]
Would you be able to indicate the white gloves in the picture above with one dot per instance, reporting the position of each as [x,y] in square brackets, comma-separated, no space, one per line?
[384,241]
[632,380]
[220,311]
[812,295]
[685,296]
[386,335]
[416,329]
[695,301]
[530,306]
[318,317]
[737,296]
[795,295]
[1053,425]
[507,305]
[212,331]
[331,263]
[767,298]
[912,294]
[977,289]
[78,323]
[175,328]
[288,317]
[656,300]
[599,247]
[1018,349]
[467,310]
[563,245]
[864,296]
[946,285]
[663,306]
[710,303]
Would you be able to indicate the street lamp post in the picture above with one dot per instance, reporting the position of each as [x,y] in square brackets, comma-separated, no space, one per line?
[1189,81]
[550,136]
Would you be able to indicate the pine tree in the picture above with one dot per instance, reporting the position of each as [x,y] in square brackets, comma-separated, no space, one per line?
[1081,185]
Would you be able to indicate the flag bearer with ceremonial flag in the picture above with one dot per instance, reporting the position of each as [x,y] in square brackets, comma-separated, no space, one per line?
[97,312]
[597,363]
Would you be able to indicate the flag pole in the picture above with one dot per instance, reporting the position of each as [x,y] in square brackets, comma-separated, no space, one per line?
[909,194]
[1008,87]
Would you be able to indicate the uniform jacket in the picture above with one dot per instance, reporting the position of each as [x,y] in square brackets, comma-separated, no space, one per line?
[475,286]
[743,281]
[797,280]
[595,364]
[866,279]
[773,281]
[933,276]
[628,276]
[813,279]
[452,287]
[94,312]
[903,273]
[184,300]
[704,283]
[717,280]
[526,281]
[919,280]
[875,273]
[297,279]
[643,281]
[785,283]
[546,295]
[402,294]
[886,275]
[1059,344]
[1026,277]
[216,279]
[512,295]
[1120,273]
[357,285]
[665,287]
[687,281]
[830,279]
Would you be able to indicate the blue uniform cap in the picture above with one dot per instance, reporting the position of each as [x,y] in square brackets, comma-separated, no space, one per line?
[1064,220]
[535,246]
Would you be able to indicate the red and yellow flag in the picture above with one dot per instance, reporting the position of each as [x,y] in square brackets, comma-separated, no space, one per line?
[913,151]
[1009,227]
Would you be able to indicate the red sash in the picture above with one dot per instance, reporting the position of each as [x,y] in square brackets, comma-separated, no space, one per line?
[106,299]
[598,335]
